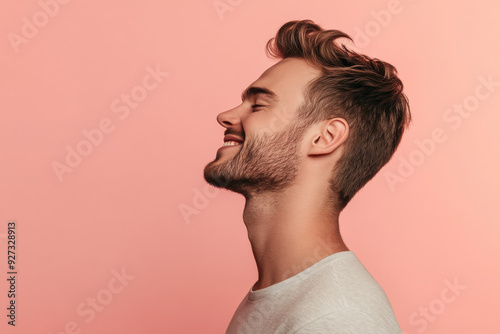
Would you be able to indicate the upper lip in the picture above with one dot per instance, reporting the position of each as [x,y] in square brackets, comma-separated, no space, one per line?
[233,138]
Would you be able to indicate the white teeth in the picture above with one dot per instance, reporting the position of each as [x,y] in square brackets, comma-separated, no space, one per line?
[230,143]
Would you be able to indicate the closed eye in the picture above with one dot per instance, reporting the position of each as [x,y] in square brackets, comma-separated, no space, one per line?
[256,106]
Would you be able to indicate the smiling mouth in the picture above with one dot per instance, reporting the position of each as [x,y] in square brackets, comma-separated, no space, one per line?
[231,143]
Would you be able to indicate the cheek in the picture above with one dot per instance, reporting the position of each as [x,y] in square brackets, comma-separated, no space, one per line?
[267,123]
[282,118]
[256,124]
[261,127]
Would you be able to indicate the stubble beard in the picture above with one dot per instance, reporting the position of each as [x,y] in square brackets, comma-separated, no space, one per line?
[268,162]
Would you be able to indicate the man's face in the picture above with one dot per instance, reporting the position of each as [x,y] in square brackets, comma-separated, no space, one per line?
[266,153]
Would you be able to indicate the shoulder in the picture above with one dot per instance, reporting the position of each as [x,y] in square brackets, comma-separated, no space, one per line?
[343,295]
[351,321]
[344,279]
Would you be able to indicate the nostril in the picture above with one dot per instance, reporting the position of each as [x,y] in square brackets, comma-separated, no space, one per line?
[229,118]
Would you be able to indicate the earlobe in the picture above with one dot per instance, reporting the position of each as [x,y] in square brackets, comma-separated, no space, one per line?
[330,135]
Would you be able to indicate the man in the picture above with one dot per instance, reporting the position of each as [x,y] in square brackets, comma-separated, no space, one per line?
[309,133]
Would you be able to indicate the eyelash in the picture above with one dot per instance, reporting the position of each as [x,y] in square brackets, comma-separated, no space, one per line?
[254,106]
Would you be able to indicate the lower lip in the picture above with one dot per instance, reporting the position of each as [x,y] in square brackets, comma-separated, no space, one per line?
[224,147]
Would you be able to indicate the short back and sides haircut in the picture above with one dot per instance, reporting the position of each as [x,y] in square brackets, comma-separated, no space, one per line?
[364,91]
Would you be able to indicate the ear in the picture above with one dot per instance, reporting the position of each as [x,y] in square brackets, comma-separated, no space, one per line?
[328,136]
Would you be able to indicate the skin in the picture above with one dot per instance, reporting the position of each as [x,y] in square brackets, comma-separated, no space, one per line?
[283,170]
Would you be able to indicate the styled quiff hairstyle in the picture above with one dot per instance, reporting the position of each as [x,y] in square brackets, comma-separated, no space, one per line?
[364,91]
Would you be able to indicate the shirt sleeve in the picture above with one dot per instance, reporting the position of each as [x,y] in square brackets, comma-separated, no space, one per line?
[351,321]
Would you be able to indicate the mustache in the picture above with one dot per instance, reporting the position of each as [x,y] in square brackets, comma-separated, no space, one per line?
[233,132]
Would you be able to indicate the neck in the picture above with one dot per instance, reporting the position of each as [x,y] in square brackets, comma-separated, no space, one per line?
[289,232]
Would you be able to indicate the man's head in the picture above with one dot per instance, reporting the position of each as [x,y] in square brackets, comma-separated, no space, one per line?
[353,102]
[267,159]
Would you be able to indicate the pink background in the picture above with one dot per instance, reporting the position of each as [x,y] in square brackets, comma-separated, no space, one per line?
[120,207]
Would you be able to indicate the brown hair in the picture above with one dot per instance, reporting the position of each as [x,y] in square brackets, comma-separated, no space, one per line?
[364,91]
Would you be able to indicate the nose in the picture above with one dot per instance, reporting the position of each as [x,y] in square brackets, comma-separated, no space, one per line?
[228,118]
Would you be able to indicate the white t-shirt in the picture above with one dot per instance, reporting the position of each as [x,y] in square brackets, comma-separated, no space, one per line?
[334,295]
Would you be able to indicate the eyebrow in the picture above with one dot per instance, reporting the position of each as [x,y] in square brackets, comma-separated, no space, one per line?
[251,91]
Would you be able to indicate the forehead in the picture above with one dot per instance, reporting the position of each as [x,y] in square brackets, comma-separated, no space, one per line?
[288,79]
